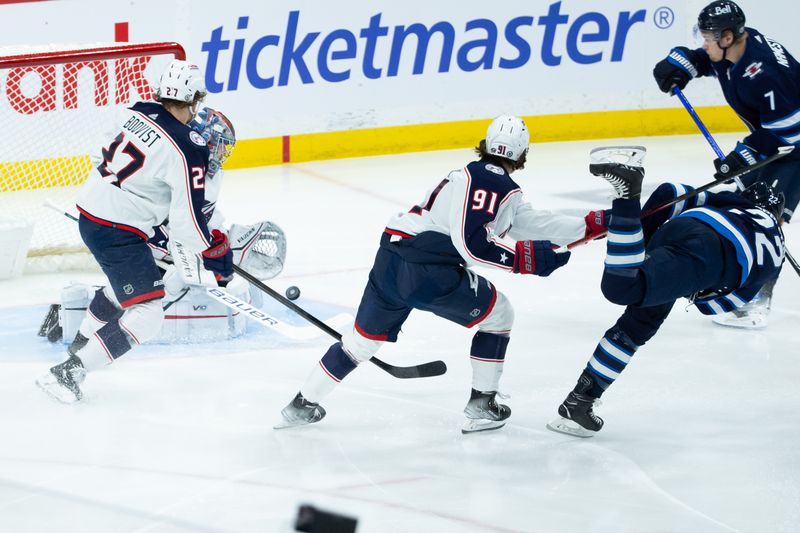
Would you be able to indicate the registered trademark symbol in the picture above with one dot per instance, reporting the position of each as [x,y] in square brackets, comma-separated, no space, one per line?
[663,17]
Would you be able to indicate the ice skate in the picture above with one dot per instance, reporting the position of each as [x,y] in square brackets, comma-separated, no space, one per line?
[484,413]
[577,414]
[63,380]
[300,412]
[752,315]
[622,167]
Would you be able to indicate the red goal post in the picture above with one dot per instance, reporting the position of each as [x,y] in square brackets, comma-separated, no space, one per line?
[57,108]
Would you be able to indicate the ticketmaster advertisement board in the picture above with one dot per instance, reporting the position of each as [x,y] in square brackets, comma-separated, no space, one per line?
[289,69]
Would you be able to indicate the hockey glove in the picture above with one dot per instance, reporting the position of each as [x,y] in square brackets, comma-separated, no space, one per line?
[740,158]
[218,258]
[675,70]
[596,224]
[538,258]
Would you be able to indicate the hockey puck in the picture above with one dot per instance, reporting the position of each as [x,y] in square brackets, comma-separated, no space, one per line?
[293,293]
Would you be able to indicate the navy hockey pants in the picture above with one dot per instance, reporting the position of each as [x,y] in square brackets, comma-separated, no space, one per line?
[684,257]
[125,259]
[397,286]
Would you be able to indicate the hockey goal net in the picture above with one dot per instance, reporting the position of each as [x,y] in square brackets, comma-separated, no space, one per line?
[57,107]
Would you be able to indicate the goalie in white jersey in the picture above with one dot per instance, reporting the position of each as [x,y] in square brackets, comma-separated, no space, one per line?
[154,169]
[476,216]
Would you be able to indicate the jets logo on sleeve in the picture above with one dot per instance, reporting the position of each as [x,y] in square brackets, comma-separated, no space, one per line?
[753,70]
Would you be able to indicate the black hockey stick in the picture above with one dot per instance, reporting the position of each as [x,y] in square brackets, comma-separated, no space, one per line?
[782,151]
[792,261]
[425,370]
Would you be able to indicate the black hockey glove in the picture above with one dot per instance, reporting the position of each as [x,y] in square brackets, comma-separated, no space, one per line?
[218,258]
[675,70]
[740,157]
[538,258]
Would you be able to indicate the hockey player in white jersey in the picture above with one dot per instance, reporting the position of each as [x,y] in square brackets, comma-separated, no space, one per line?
[154,169]
[476,216]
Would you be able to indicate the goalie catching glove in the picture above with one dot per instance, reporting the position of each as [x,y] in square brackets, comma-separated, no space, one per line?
[538,258]
[218,258]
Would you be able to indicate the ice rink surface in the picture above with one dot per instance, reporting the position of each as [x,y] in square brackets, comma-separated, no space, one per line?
[701,431]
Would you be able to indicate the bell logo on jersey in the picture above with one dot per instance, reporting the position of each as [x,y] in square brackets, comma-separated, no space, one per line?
[753,70]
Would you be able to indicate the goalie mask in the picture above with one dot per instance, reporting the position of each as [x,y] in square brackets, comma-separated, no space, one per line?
[260,249]
[219,134]
[764,196]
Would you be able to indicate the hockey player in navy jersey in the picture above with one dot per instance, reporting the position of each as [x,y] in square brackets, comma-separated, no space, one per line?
[155,168]
[760,80]
[718,250]
[475,216]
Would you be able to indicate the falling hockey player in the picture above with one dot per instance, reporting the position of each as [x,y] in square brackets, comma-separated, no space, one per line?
[760,80]
[717,249]
[423,261]
[155,168]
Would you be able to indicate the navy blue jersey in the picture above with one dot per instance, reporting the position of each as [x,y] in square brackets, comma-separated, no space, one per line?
[753,232]
[473,216]
[763,88]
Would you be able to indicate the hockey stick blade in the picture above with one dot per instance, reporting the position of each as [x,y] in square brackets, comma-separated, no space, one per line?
[425,370]
[265,319]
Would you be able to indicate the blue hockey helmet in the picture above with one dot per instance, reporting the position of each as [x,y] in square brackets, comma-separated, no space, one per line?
[765,196]
[219,134]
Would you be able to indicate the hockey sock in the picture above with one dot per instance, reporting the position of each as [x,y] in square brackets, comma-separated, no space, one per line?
[622,280]
[101,311]
[610,358]
[334,366]
[107,344]
[487,355]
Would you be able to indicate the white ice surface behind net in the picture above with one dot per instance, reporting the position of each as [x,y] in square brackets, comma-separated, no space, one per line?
[701,430]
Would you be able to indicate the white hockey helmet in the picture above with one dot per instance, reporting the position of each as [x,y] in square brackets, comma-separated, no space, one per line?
[508,137]
[181,81]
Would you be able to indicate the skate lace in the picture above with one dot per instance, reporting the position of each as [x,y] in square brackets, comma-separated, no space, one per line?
[619,184]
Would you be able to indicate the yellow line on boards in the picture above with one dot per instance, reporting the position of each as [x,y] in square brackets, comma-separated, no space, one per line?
[465,134]
[37,174]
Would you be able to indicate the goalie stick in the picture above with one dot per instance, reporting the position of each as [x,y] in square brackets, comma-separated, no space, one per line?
[425,370]
[430,369]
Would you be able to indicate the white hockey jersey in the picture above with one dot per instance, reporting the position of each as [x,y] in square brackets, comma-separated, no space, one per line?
[153,170]
[482,210]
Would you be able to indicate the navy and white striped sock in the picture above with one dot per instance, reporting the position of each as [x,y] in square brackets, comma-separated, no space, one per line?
[625,248]
[611,356]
